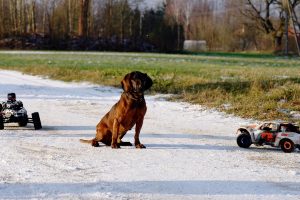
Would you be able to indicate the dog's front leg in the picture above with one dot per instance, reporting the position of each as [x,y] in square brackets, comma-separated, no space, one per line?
[114,141]
[138,128]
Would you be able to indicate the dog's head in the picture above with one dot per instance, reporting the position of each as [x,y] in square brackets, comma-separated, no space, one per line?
[136,82]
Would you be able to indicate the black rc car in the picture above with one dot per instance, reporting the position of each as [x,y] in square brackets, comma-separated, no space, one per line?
[12,111]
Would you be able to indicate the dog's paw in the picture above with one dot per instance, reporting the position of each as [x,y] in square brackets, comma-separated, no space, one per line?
[140,146]
[115,146]
[95,144]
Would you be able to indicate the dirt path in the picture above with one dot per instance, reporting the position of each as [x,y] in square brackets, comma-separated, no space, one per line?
[191,152]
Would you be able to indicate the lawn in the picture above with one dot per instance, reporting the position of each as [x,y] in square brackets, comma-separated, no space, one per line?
[256,86]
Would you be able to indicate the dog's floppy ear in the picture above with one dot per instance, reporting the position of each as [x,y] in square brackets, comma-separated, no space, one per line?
[148,82]
[126,85]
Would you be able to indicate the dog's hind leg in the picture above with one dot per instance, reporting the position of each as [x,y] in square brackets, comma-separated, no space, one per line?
[103,135]
[98,137]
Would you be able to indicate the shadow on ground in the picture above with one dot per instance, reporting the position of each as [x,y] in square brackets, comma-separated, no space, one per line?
[180,187]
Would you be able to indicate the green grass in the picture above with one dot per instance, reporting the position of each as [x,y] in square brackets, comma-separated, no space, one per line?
[256,86]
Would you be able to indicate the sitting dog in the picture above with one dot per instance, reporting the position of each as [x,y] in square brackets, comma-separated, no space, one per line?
[127,112]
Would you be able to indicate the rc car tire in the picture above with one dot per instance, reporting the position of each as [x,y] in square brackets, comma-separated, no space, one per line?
[244,140]
[23,122]
[1,122]
[36,121]
[287,146]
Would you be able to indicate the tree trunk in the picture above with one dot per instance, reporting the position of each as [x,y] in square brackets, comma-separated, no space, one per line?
[70,17]
[19,16]
[109,20]
[277,39]
[1,18]
[45,17]
[178,37]
[33,21]
[24,22]
[83,18]
[12,24]
[121,28]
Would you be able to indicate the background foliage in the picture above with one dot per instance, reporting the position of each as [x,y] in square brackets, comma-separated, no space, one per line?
[131,25]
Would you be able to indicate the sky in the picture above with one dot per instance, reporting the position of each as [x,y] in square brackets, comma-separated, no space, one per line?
[153,3]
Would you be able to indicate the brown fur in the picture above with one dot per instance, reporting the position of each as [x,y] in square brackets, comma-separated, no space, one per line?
[127,112]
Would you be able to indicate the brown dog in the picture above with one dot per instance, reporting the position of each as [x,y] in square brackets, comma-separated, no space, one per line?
[127,112]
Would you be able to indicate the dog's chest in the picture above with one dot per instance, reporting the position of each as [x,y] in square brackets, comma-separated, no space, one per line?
[132,115]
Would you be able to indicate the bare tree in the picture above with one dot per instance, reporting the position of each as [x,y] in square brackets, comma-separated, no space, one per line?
[187,10]
[32,16]
[269,17]
[83,18]
[1,18]
[124,11]
[174,8]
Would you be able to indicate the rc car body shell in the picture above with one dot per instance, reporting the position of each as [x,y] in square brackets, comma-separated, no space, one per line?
[14,112]
[276,134]
[10,115]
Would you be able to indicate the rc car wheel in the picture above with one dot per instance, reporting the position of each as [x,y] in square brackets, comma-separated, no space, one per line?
[23,122]
[1,122]
[36,121]
[244,140]
[287,146]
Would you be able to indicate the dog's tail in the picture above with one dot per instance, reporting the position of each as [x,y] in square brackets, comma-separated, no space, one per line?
[93,142]
[86,141]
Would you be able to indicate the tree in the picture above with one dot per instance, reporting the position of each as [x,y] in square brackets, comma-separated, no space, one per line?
[83,18]
[32,16]
[269,17]
[165,36]
[174,8]
[187,12]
